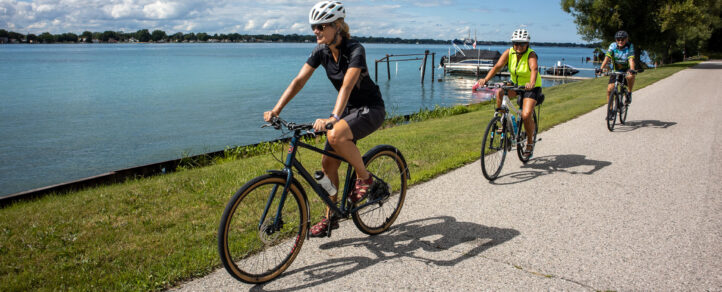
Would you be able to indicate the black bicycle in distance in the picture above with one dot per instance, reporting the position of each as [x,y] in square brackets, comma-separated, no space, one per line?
[616,105]
[266,222]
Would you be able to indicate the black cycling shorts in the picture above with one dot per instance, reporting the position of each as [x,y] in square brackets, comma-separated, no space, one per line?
[535,94]
[612,77]
[362,120]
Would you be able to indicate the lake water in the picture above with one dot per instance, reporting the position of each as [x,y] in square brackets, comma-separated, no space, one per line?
[73,111]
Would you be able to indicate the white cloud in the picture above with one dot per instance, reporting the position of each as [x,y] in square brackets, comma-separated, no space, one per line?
[161,10]
[250,25]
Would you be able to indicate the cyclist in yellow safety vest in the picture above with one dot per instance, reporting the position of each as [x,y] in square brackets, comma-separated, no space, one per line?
[522,63]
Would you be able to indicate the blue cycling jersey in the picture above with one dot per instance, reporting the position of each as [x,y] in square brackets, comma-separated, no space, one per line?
[620,56]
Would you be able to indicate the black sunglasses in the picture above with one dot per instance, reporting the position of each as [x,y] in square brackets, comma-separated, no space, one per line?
[518,43]
[320,27]
[620,39]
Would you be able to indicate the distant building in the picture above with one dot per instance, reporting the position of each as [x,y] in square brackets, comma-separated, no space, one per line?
[3,40]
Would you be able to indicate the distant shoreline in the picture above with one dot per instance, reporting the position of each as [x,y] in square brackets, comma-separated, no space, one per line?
[159,36]
[541,44]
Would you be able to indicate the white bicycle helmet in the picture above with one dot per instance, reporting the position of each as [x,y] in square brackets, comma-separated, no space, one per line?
[520,35]
[326,12]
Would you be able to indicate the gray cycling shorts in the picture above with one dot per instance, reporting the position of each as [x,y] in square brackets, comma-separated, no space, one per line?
[362,120]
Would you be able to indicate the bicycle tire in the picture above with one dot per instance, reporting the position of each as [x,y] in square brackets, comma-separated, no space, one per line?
[493,149]
[388,164]
[248,251]
[612,110]
[623,108]
[521,136]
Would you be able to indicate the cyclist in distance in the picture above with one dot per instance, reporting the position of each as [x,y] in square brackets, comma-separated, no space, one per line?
[621,54]
[359,109]
[521,62]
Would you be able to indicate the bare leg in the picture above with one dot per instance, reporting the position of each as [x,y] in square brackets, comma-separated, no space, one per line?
[341,139]
[526,115]
[609,90]
[630,82]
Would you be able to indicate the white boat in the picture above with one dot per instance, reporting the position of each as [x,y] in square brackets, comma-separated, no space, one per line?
[470,61]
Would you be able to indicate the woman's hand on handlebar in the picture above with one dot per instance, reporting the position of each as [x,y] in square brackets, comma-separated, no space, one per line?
[321,124]
[529,86]
[267,116]
[479,84]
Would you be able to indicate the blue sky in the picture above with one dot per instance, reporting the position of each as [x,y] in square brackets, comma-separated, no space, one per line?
[435,19]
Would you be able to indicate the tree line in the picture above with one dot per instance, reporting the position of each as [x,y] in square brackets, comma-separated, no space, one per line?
[668,30]
[145,35]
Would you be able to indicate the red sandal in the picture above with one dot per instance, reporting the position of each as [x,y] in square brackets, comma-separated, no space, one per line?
[361,189]
[321,227]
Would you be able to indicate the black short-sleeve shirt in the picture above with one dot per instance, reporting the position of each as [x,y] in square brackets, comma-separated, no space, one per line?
[352,54]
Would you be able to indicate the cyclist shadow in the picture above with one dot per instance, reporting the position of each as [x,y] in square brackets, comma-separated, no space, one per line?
[550,164]
[635,125]
[441,241]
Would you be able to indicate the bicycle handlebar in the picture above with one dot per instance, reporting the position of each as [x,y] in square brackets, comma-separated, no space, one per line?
[277,123]
[518,89]
[634,72]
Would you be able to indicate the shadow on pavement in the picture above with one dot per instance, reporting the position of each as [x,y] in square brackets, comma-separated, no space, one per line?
[440,241]
[635,125]
[714,66]
[550,164]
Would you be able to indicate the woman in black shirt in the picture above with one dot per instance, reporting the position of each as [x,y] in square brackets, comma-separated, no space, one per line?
[359,108]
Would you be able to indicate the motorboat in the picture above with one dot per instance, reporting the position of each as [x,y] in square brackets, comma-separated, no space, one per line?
[562,70]
[470,61]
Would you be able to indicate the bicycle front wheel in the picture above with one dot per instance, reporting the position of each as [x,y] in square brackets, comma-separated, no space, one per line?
[254,249]
[388,191]
[623,108]
[521,143]
[612,110]
[493,148]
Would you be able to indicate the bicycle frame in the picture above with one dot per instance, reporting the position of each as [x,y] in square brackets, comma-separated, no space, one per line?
[291,162]
[510,109]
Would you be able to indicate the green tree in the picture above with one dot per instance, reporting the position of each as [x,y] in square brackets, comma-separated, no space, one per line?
[86,36]
[47,38]
[686,20]
[177,37]
[3,33]
[32,38]
[654,26]
[202,36]
[67,37]
[108,35]
[142,35]
[158,35]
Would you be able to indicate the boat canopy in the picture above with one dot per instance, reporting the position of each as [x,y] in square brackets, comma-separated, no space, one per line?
[475,54]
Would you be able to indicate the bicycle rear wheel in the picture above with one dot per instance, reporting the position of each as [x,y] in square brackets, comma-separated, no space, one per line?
[521,143]
[253,251]
[493,148]
[612,110]
[390,173]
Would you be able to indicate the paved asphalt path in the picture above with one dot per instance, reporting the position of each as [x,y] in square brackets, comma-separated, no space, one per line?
[639,208]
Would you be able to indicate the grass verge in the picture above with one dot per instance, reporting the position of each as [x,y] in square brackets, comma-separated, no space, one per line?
[150,234]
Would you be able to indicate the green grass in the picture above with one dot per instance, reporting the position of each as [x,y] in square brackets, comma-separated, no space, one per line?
[150,234]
